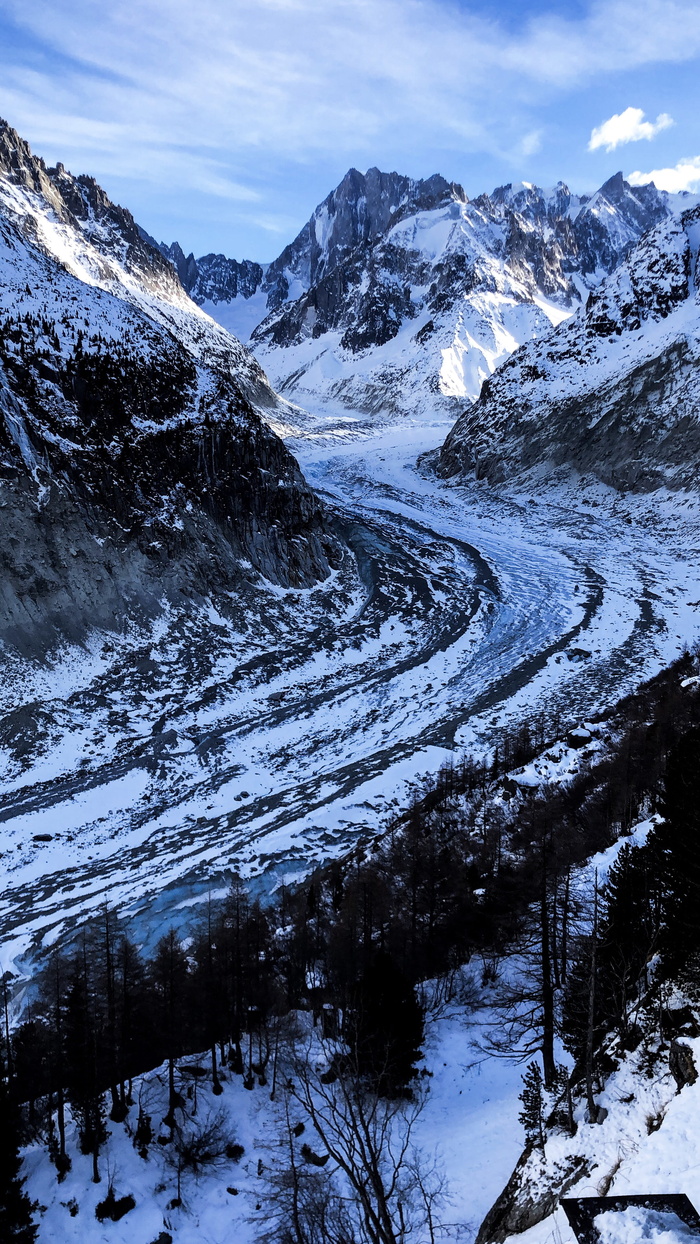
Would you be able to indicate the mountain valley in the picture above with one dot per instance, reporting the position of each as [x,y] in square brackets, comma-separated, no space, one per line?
[292,554]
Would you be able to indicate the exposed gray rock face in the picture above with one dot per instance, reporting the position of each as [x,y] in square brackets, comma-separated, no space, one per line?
[366,284]
[132,473]
[214,278]
[352,218]
[591,234]
[400,294]
[681,1064]
[615,391]
[354,215]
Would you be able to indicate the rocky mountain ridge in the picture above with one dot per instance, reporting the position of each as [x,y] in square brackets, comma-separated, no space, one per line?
[72,220]
[401,296]
[135,473]
[614,391]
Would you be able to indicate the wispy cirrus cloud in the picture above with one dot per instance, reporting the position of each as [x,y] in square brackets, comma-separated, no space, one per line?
[627,127]
[294,76]
[209,98]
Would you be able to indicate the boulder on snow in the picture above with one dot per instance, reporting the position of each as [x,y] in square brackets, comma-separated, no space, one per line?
[524,1201]
[682,1065]
[679,1021]
[579,737]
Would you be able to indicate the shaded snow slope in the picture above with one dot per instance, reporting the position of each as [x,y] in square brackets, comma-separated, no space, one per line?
[132,476]
[648,1143]
[402,297]
[615,391]
[470,1119]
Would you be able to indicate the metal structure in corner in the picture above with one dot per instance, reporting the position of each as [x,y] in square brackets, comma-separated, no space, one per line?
[583,1211]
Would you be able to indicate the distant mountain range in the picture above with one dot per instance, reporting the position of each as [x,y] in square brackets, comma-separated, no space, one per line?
[614,391]
[402,296]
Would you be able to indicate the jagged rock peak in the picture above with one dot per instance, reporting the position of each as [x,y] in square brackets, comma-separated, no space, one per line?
[364,206]
[614,391]
[530,200]
[444,286]
[359,211]
[81,202]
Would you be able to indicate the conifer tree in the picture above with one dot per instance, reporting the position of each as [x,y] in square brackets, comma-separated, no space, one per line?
[171,979]
[83,1072]
[532,1097]
[629,931]
[16,1225]
[386,1027]
[676,842]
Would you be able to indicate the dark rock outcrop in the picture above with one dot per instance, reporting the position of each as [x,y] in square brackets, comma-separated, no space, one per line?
[681,1064]
[133,474]
[524,1202]
[214,278]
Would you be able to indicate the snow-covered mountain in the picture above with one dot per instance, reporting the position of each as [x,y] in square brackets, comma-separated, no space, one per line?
[135,471]
[73,220]
[615,391]
[402,295]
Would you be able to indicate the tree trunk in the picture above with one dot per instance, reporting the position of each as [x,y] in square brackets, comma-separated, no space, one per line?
[590,1026]
[548,1063]
[215,1082]
[61,1114]
[565,927]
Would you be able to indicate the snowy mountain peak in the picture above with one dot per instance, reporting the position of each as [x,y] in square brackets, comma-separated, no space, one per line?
[401,295]
[614,391]
[530,200]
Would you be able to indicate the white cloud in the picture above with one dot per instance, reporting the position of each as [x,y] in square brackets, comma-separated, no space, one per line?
[531,143]
[627,127]
[684,176]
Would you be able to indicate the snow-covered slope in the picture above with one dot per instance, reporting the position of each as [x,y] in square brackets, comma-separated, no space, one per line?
[402,296]
[72,220]
[648,1144]
[615,391]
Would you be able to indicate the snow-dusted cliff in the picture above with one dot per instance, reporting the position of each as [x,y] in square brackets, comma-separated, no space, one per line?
[135,470]
[615,391]
[72,220]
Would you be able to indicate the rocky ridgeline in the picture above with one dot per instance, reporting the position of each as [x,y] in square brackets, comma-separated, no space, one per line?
[401,293]
[615,391]
[81,205]
[132,472]
[72,220]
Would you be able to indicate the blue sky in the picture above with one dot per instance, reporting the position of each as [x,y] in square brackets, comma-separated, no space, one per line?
[222,123]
